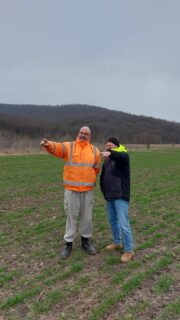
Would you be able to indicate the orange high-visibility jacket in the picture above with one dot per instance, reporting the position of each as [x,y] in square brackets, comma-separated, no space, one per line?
[82,163]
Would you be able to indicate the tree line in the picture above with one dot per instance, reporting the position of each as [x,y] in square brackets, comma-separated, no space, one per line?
[58,122]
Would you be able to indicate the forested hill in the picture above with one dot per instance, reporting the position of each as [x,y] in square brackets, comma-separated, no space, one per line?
[64,121]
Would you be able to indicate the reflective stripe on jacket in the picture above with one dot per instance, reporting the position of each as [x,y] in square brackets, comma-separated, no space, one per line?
[82,163]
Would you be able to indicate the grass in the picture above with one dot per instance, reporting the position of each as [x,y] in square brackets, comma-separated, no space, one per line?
[20,298]
[163,284]
[170,311]
[49,301]
[6,277]
[128,287]
[32,275]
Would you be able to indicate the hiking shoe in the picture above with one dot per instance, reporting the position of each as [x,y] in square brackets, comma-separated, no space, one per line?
[127,256]
[87,246]
[66,251]
[114,246]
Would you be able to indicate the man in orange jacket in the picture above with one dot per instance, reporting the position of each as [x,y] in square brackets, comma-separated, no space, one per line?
[81,166]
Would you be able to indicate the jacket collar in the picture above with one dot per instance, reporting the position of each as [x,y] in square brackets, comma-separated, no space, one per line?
[121,148]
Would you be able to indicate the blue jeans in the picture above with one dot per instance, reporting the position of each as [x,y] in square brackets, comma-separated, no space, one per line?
[118,218]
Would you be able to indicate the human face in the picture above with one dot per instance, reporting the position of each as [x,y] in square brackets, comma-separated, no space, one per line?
[109,145]
[84,134]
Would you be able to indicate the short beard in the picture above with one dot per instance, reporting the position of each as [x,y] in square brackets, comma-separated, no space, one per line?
[83,138]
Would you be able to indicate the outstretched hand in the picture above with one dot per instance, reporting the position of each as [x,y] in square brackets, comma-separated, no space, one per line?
[105,154]
[44,143]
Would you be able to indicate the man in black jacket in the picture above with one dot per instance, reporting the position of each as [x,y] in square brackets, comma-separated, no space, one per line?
[115,185]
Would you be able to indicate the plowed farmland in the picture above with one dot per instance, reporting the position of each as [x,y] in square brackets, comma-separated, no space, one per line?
[36,284]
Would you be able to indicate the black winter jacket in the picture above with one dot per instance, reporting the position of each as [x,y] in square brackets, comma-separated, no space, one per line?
[115,176]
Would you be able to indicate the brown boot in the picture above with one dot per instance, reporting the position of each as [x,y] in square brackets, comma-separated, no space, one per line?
[127,256]
[114,246]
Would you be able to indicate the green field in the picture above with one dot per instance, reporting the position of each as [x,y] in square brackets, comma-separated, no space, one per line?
[36,284]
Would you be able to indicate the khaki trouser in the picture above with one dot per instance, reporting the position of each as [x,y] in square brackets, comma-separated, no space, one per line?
[78,204]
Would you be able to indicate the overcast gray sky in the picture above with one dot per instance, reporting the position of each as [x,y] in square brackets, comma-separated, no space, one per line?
[118,54]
